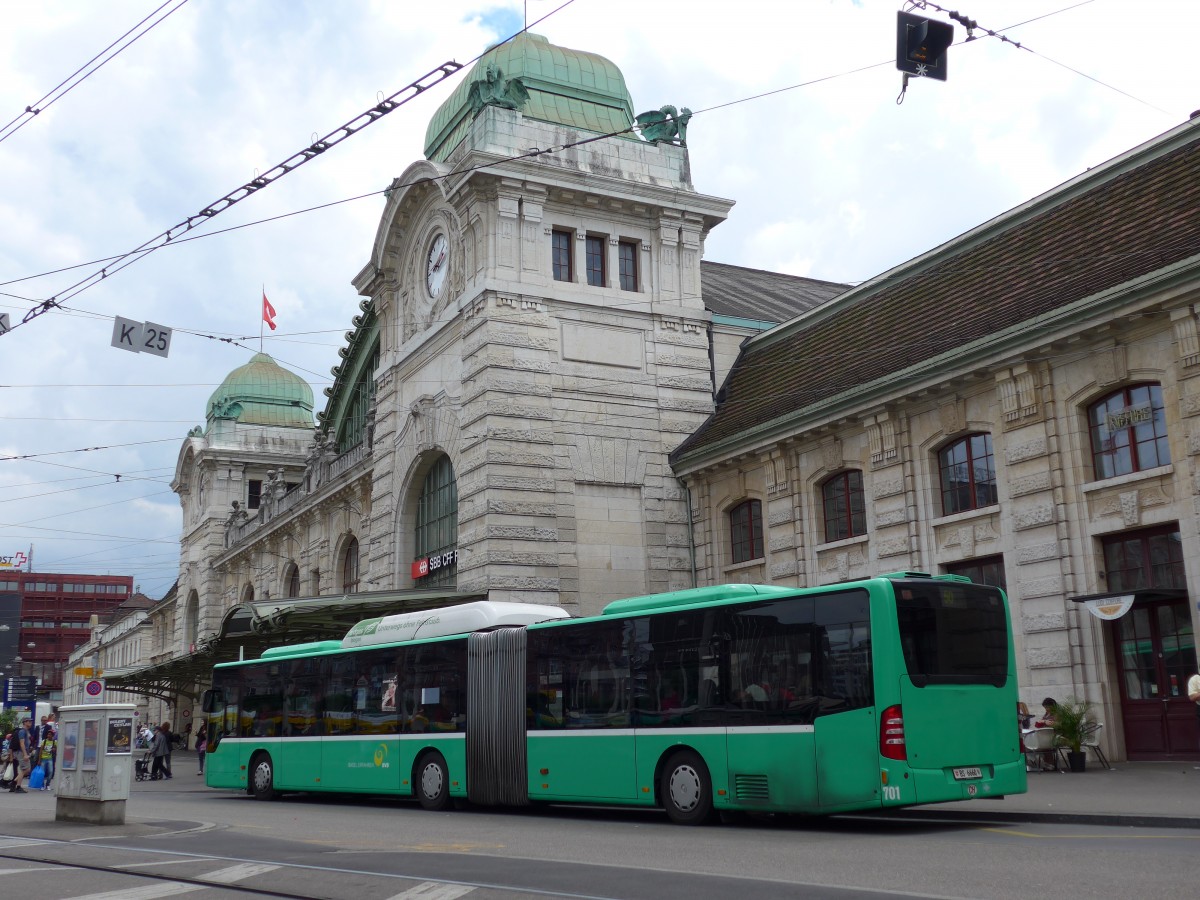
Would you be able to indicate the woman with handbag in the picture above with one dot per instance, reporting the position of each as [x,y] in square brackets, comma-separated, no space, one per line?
[7,769]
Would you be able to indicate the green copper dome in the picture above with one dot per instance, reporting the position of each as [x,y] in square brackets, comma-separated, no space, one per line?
[262,392]
[567,87]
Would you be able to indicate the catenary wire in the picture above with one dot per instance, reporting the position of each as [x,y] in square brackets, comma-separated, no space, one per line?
[42,105]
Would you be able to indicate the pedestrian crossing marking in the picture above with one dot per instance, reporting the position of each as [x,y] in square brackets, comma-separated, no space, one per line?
[434,890]
[238,872]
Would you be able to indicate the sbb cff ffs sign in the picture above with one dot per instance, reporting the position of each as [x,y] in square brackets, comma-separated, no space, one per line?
[429,564]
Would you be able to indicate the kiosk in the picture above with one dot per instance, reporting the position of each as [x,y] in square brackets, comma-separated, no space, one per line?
[95,762]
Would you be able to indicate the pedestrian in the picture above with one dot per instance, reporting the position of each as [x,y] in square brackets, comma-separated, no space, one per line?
[21,750]
[7,767]
[158,749]
[46,754]
[166,727]
[187,735]
[1193,692]
[202,745]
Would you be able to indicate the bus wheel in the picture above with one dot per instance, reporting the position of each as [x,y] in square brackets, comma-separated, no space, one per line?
[433,782]
[262,777]
[686,789]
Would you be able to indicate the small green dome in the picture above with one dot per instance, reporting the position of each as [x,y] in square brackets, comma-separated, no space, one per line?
[262,392]
[567,87]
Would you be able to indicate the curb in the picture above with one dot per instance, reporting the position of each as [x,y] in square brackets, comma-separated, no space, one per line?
[1128,820]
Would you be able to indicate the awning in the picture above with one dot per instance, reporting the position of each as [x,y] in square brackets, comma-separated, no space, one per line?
[249,628]
[1114,604]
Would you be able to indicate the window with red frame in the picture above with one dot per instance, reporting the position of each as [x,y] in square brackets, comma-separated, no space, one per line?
[745,529]
[845,508]
[1129,431]
[1137,560]
[985,570]
[968,474]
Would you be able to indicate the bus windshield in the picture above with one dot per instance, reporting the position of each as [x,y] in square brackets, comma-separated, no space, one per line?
[952,633]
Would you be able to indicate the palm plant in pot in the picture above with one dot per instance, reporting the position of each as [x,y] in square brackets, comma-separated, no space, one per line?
[1071,723]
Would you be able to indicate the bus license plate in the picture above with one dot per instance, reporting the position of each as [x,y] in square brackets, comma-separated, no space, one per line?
[967,773]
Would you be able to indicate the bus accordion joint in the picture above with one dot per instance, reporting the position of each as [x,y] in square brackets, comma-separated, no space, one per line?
[891,734]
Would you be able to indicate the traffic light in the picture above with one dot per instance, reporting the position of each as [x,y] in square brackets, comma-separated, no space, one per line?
[921,45]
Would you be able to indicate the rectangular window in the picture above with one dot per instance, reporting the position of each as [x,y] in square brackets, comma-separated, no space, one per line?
[561,255]
[627,263]
[952,634]
[987,570]
[254,495]
[595,261]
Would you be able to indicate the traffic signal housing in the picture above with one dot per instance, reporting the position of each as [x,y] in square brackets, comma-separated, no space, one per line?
[921,45]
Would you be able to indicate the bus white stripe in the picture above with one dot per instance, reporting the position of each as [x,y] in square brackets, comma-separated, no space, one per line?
[662,732]
[433,890]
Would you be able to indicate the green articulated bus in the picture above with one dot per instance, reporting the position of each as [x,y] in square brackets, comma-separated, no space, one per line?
[886,692]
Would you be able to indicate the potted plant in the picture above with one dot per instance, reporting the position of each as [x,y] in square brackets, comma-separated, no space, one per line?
[1070,723]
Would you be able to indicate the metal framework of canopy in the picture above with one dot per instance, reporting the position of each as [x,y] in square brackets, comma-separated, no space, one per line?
[249,628]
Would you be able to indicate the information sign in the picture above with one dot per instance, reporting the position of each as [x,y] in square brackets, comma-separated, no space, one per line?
[141,337]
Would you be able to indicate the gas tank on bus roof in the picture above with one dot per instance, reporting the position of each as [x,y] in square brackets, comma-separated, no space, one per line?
[461,619]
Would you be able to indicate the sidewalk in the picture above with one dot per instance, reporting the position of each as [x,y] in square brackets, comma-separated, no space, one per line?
[1155,794]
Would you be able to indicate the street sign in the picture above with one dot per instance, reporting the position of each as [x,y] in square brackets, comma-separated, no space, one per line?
[141,337]
[86,671]
[4,323]
[93,691]
[20,690]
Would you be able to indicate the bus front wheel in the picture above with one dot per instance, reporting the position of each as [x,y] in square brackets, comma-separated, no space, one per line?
[686,789]
[262,777]
[433,782]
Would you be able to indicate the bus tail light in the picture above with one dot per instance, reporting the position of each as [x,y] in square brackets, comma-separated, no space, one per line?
[891,734]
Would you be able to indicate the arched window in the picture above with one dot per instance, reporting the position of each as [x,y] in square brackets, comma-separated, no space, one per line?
[745,531]
[845,508]
[248,594]
[968,473]
[350,567]
[1129,431]
[437,524]
[291,581]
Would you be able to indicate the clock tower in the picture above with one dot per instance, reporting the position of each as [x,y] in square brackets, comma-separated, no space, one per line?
[542,343]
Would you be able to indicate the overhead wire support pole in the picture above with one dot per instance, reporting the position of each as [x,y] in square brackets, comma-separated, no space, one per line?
[293,162]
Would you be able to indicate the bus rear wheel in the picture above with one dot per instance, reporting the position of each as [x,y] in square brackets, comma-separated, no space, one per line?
[262,777]
[433,782]
[686,789]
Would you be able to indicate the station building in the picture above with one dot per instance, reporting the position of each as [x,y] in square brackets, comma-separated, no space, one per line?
[548,396]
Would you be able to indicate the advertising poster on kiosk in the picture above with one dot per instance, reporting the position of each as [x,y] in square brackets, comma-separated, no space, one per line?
[91,744]
[120,736]
[70,745]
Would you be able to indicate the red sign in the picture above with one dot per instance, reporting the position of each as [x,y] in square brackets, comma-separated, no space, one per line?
[430,564]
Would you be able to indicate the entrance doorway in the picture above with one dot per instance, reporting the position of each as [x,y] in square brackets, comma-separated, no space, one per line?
[1154,643]
[1156,653]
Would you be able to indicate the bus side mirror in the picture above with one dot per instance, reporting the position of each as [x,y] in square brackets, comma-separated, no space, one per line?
[213,700]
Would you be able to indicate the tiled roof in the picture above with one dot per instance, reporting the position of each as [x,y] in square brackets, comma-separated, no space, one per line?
[765,296]
[1097,232]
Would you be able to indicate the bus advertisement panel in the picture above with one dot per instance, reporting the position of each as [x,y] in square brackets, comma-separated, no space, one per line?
[735,697]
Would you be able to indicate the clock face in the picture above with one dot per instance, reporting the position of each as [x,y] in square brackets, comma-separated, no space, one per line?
[436,266]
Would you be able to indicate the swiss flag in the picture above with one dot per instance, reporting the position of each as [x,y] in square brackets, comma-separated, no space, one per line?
[268,312]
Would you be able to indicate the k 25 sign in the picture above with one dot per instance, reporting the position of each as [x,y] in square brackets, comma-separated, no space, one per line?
[141,337]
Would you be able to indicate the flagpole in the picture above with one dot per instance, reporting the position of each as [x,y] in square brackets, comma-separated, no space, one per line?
[261,320]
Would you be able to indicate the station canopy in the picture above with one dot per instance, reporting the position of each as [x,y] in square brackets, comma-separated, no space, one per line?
[250,628]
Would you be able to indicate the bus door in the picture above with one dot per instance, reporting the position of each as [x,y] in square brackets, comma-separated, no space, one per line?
[581,740]
[300,763]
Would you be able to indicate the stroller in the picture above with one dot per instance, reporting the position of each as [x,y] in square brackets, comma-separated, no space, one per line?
[141,768]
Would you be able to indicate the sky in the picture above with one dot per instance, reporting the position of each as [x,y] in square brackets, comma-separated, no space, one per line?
[795,119]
